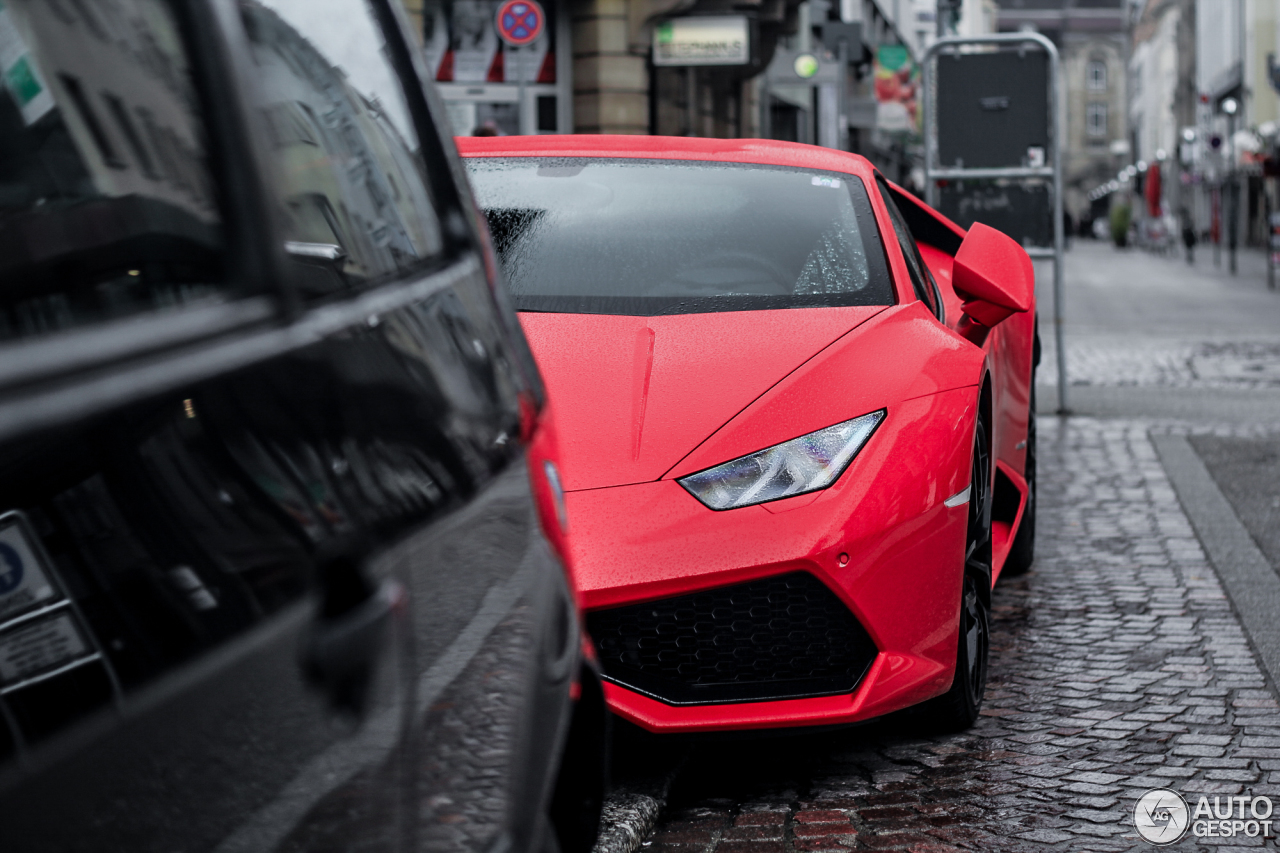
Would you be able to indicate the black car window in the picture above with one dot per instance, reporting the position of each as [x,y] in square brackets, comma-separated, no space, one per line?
[648,237]
[921,279]
[107,203]
[349,176]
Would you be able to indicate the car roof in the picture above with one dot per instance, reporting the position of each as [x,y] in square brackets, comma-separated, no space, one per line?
[762,151]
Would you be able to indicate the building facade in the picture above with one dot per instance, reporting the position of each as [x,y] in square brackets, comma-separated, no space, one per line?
[1236,41]
[1163,102]
[592,71]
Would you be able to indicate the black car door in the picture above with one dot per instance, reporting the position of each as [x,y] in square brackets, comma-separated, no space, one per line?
[271,572]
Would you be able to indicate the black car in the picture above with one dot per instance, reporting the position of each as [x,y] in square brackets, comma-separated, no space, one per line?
[280,523]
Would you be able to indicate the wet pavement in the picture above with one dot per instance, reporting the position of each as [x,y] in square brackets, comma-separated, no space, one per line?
[1118,663]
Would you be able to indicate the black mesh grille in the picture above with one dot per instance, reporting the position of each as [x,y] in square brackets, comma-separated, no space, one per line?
[783,637]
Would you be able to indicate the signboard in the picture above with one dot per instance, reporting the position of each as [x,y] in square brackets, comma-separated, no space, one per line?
[39,631]
[24,583]
[1021,209]
[708,40]
[897,88]
[993,110]
[519,22]
[39,646]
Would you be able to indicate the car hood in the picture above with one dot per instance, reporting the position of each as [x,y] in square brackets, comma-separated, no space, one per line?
[635,395]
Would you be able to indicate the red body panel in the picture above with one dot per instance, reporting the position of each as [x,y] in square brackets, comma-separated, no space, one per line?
[900,354]
[646,400]
[633,393]
[886,513]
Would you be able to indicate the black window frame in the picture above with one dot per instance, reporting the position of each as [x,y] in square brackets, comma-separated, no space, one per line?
[922,281]
[444,177]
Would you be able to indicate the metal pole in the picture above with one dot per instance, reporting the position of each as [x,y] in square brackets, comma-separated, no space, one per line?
[1215,217]
[691,98]
[1269,245]
[766,113]
[522,113]
[1059,291]
[1233,196]
[1059,247]
[842,119]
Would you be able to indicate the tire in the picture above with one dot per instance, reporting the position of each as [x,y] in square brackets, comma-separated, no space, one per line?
[1023,551]
[958,708]
[579,793]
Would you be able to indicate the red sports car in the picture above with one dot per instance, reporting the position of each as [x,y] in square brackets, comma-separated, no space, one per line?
[795,417]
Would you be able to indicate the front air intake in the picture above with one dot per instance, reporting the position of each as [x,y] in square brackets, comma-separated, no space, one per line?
[784,637]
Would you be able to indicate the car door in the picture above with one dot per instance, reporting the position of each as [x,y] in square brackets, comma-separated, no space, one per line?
[272,561]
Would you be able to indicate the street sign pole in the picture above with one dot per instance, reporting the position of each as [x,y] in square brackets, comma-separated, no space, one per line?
[522,112]
[933,171]
[519,23]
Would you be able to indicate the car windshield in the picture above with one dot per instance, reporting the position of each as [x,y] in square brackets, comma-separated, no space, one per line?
[649,237]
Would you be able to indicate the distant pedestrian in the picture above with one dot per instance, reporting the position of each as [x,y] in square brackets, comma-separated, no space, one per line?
[1188,235]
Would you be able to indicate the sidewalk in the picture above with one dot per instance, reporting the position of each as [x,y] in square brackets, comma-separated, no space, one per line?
[1151,336]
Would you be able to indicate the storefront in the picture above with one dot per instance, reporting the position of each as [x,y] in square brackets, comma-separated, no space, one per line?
[480,76]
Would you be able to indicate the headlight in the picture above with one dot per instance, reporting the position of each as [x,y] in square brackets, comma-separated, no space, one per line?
[803,464]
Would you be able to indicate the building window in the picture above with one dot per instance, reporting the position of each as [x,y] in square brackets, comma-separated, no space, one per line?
[1097,76]
[1096,120]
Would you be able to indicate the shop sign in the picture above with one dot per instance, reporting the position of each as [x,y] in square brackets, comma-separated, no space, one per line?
[897,85]
[707,40]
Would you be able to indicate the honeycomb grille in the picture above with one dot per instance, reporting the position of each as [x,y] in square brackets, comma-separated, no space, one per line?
[784,637]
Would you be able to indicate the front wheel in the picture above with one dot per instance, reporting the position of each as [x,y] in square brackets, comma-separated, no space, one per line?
[958,708]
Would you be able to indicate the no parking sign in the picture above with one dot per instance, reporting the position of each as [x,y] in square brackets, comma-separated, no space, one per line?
[520,22]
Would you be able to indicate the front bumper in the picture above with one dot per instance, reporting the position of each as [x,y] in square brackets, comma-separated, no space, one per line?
[879,543]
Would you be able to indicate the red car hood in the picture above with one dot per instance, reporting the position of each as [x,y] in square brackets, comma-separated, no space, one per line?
[634,395]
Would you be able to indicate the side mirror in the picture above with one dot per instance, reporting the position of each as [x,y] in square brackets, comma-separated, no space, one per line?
[993,275]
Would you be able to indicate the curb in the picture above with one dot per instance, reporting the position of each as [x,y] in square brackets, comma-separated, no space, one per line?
[630,812]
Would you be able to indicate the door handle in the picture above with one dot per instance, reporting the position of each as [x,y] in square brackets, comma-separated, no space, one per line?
[342,652]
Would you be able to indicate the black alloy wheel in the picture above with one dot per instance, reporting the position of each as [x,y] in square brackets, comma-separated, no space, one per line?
[958,708]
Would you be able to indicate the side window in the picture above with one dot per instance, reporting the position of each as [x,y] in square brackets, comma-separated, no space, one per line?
[350,179]
[107,204]
[921,279]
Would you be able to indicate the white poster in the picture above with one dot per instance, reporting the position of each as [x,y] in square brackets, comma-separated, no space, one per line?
[461,45]
[473,39]
[38,646]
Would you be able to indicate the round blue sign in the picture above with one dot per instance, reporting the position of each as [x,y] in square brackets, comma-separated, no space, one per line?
[520,21]
[10,569]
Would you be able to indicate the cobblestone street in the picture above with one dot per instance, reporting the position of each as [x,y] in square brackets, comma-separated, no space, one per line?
[1118,664]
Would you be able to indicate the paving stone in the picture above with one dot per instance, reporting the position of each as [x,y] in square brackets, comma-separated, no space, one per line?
[751,847]
[753,833]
